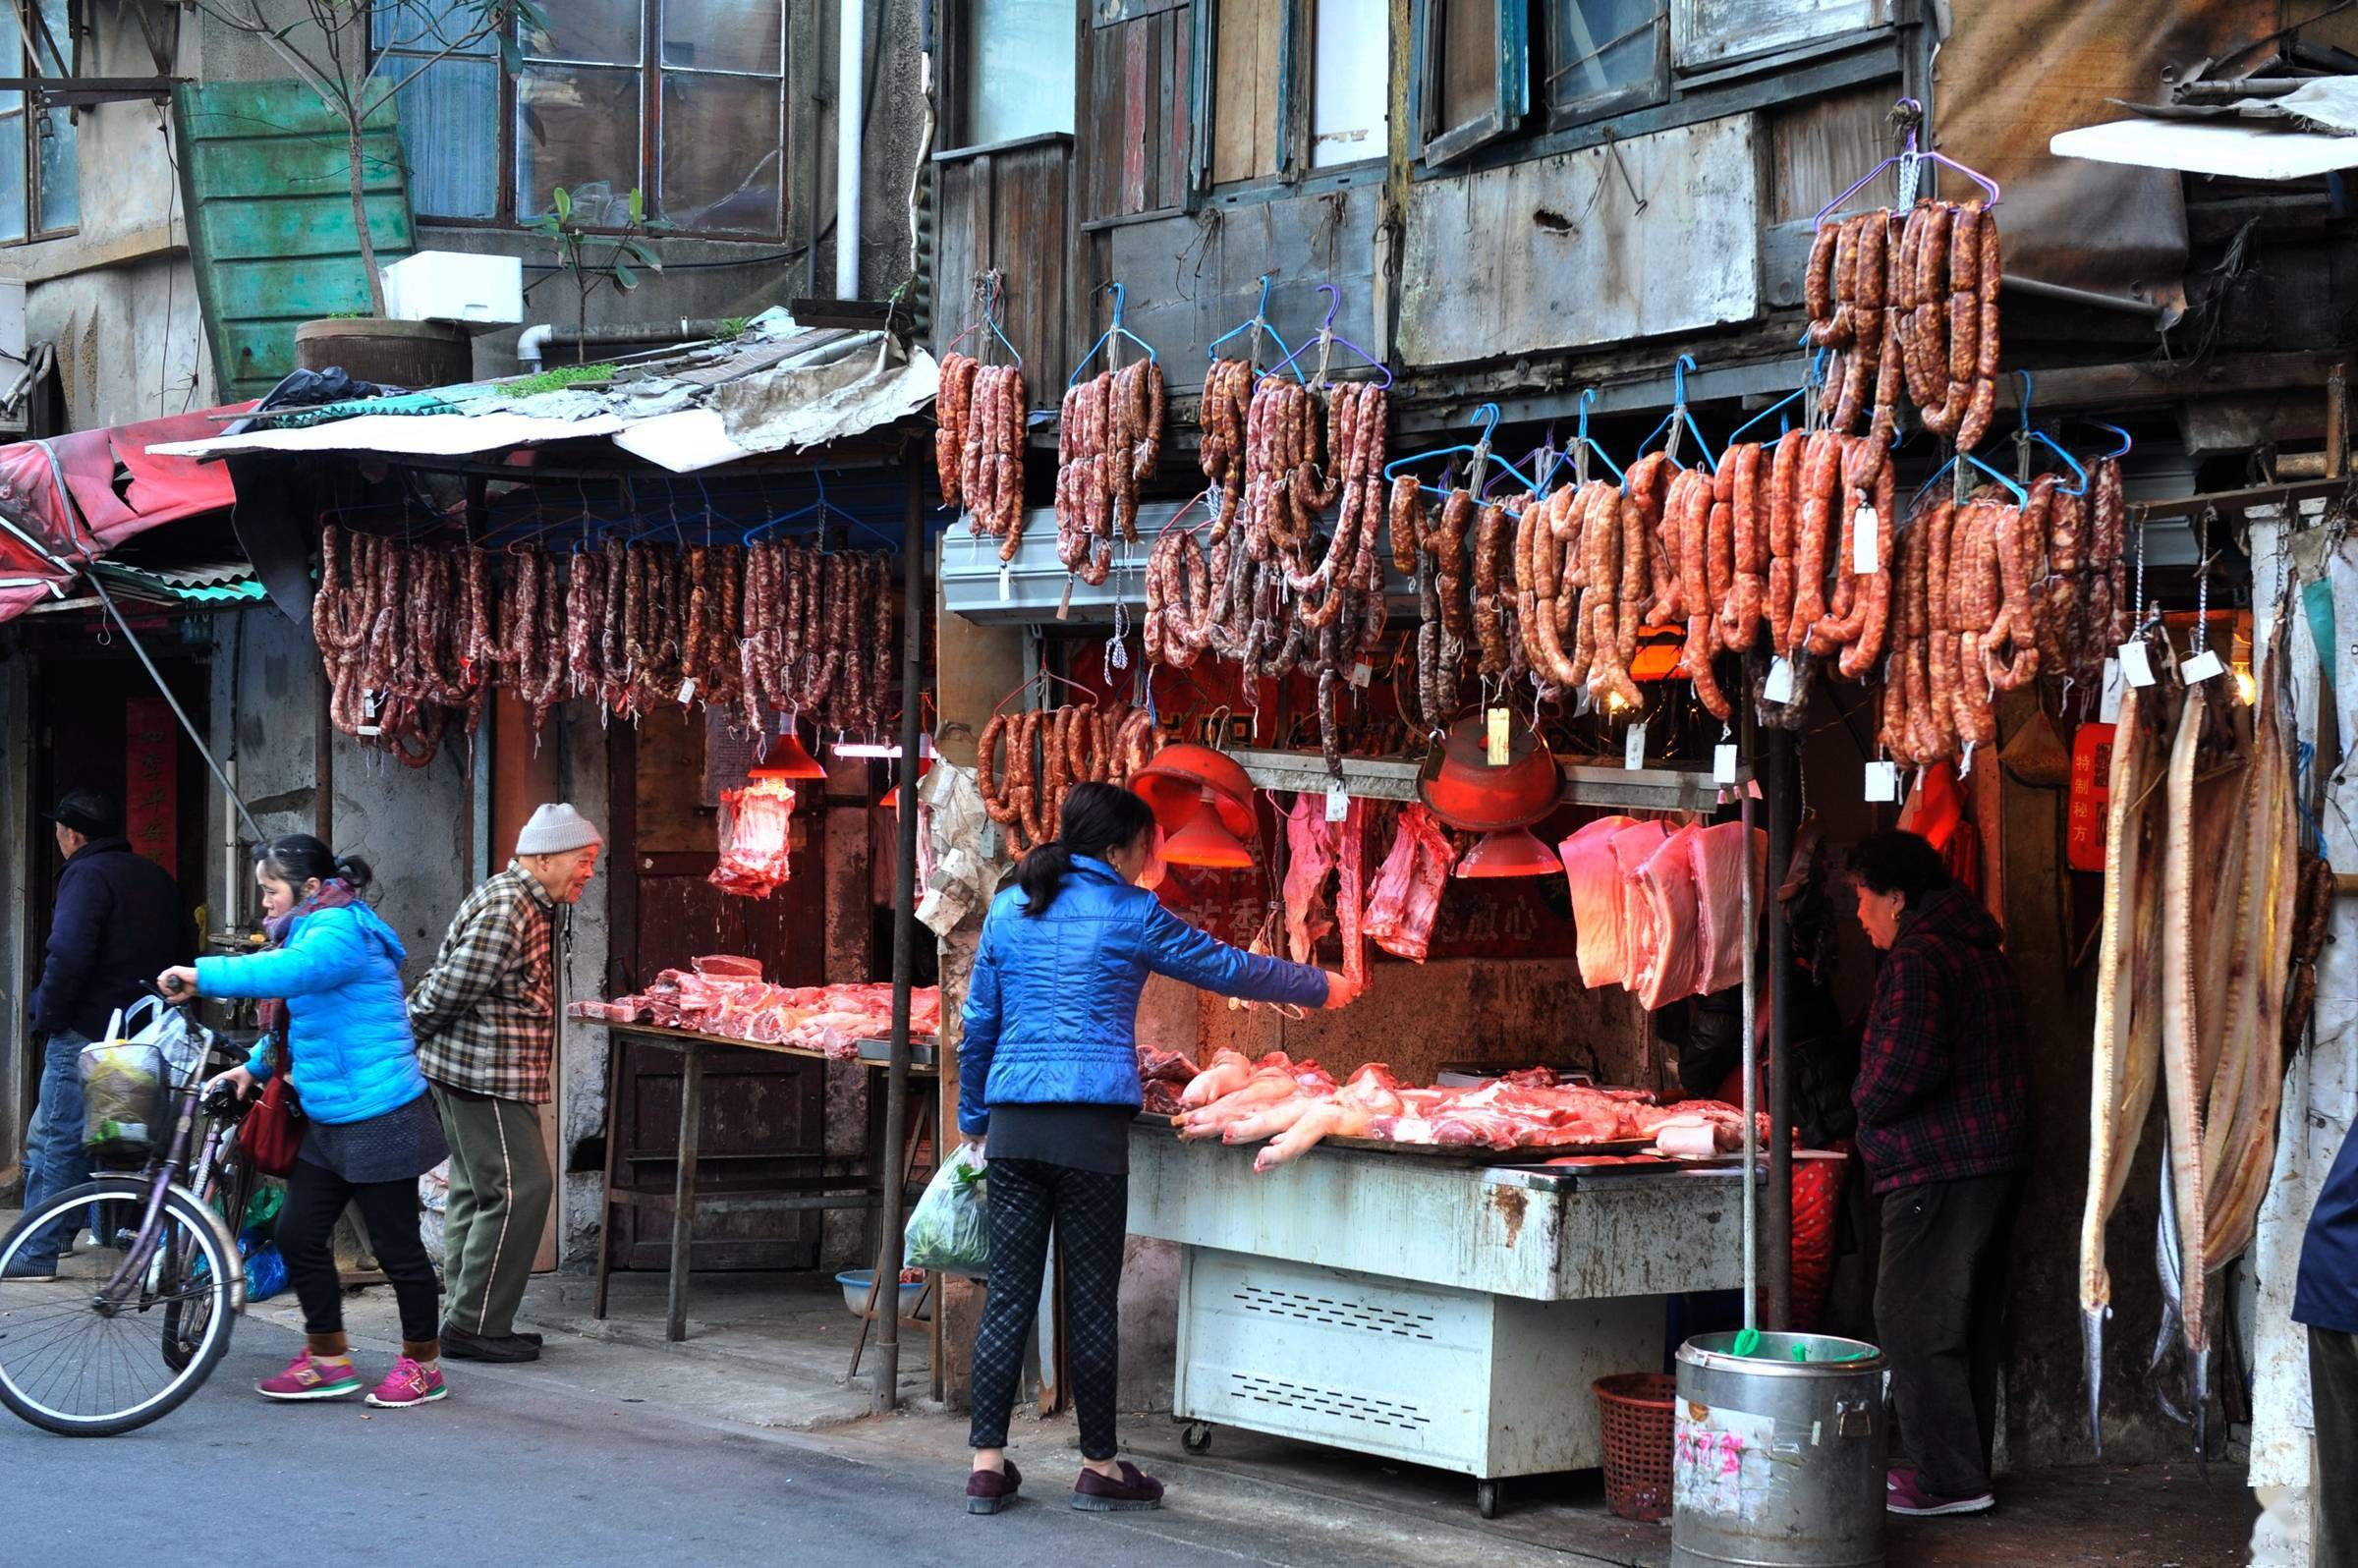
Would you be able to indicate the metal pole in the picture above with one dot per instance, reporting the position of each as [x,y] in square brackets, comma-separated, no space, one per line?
[904,949]
[1780,1013]
[1750,1058]
[178,711]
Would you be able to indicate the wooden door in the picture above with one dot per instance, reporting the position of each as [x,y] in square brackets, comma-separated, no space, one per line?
[765,1116]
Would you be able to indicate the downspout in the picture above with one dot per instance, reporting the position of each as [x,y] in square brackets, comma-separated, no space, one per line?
[850,93]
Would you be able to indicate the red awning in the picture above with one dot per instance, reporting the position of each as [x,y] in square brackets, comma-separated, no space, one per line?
[65,501]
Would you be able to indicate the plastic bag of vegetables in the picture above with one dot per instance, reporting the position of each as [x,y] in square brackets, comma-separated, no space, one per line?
[950,1229]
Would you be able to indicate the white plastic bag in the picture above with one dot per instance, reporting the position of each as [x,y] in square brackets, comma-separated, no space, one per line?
[950,1229]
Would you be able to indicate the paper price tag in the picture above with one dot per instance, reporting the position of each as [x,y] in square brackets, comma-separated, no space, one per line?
[2135,664]
[2107,707]
[1361,674]
[1882,781]
[1724,763]
[1494,750]
[1633,746]
[1338,805]
[2202,668]
[371,704]
[1006,584]
[1778,688]
[686,693]
[1862,542]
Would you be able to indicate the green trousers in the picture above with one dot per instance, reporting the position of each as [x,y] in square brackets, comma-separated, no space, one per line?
[499,1192]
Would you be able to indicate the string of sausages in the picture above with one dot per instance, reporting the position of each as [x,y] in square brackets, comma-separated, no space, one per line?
[1049,750]
[1908,304]
[1109,440]
[978,446]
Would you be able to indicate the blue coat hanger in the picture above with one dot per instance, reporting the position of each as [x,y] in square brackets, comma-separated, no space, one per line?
[1256,323]
[1679,415]
[1488,417]
[2027,436]
[1107,336]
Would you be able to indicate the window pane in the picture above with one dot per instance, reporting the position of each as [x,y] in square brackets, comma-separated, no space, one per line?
[54,42]
[1350,99]
[450,135]
[429,27]
[1599,46]
[1469,39]
[725,34]
[61,171]
[723,152]
[11,171]
[577,127]
[1019,68]
[590,29]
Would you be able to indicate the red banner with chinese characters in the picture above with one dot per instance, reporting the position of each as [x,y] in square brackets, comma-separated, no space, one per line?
[151,780]
[2090,789]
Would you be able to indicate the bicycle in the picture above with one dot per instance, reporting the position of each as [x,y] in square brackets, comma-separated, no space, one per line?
[81,1357]
[224,1178]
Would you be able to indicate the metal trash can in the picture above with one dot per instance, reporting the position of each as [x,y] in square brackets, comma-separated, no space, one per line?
[1778,1463]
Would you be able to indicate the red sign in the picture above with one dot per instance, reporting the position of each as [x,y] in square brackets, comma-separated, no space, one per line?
[151,780]
[2090,789]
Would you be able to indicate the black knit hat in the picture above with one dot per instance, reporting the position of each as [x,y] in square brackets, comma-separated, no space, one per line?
[88,811]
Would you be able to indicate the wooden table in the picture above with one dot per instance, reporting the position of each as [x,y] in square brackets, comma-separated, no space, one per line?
[694,1047]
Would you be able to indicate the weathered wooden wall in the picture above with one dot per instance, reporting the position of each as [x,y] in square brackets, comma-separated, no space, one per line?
[1010,208]
[1132,155]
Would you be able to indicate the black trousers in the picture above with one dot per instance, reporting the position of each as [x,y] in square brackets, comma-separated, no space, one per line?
[2333,1481]
[1940,1306]
[1090,1212]
[306,1226]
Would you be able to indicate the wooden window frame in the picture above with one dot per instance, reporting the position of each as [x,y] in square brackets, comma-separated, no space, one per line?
[1296,88]
[1611,102]
[1438,145]
[32,115]
[648,172]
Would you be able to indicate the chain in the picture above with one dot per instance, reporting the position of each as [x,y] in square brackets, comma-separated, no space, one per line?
[2202,582]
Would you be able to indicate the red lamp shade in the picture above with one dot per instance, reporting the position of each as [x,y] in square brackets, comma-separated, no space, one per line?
[1205,840]
[892,796]
[786,759]
[1509,852]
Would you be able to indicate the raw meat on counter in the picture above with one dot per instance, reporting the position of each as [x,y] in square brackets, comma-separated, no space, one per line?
[1162,1076]
[725,994]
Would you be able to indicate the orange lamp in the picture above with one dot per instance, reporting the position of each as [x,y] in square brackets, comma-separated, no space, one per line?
[1205,840]
[892,796]
[787,759]
[1509,852]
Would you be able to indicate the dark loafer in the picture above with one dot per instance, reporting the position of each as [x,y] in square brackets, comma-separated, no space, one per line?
[989,1491]
[1095,1493]
[460,1345]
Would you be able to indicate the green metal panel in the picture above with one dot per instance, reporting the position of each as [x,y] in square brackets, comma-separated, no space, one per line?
[270,225]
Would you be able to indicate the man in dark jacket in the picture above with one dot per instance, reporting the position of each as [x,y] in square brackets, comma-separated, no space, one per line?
[2325,1298]
[117,924]
[1943,1100]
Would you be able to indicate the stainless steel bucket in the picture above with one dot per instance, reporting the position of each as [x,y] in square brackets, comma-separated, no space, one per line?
[1778,1463]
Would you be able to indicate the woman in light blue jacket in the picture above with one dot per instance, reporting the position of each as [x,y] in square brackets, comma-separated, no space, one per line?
[1048,1069]
[334,1019]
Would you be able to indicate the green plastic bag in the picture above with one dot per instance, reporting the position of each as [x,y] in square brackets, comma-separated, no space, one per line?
[950,1229]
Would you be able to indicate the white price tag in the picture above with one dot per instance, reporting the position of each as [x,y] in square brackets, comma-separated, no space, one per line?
[1724,763]
[1633,746]
[372,703]
[1862,542]
[1882,781]
[1778,688]
[1006,584]
[2135,664]
[1338,805]
[2107,707]
[686,693]
[1494,749]
[1361,673]
[2202,668]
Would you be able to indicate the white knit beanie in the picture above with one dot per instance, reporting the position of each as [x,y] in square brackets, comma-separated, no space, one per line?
[557,828]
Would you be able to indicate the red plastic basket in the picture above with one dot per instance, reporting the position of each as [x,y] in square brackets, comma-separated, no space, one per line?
[1635,1410]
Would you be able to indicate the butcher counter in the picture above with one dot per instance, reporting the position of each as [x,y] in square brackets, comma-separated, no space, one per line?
[1409,1305]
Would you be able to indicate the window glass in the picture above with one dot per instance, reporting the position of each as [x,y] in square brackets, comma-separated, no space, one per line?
[577,127]
[1469,76]
[429,27]
[61,171]
[1599,47]
[1351,93]
[723,152]
[450,137]
[602,31]
[12,134]
[724,35]
[1019,68]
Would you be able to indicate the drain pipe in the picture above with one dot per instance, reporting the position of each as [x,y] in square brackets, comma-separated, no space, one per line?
[534,344]
[850,93]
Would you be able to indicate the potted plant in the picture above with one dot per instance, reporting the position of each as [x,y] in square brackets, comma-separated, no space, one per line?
[625,249]
[332,52]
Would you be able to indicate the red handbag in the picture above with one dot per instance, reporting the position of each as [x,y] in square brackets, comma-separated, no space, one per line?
[274,1131]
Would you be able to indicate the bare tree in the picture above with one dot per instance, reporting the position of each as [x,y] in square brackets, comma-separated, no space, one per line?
[329,46]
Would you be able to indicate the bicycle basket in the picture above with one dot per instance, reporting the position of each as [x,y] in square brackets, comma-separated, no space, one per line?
[122,1097]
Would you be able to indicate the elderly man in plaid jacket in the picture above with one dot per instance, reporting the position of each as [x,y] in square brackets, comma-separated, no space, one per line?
[486,1020]
[1944,1097]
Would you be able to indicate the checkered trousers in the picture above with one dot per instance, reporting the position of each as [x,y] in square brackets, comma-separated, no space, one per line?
[1090,1213]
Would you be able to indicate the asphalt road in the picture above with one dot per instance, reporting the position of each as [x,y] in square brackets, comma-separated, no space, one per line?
[516,1473]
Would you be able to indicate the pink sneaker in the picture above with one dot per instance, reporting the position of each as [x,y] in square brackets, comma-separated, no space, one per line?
[1904,1494]
[309,1378]
[406,1385]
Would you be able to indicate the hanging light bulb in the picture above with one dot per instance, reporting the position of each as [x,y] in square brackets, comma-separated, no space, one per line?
[1205,840]
[1510,851]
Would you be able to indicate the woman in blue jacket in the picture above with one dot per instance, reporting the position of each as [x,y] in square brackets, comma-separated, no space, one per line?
[335,1018]
[1048,1069]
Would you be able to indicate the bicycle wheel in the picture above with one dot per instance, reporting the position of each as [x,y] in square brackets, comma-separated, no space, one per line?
[82,1360]
[228,1188]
